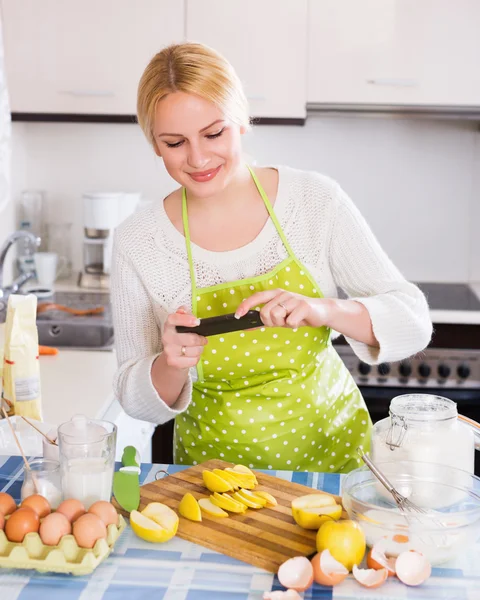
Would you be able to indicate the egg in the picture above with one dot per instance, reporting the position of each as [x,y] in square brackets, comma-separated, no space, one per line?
[370,578]
[7,504]
[280,595]
[2,521]
[37,503]
[106,511]
[22,521]
[88,529]
[53,527]
[72,509]
[296,573]
[327,570]
[377,559]
[413,568]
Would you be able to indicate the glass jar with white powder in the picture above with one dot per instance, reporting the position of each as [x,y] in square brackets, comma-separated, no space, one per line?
[425,428]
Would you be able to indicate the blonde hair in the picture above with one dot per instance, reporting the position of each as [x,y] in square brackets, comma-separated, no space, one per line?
[194,69]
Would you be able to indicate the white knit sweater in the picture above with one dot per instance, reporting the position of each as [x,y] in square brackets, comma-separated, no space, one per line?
[150,279]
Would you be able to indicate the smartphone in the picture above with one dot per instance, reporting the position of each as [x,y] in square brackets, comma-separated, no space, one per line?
[224,324]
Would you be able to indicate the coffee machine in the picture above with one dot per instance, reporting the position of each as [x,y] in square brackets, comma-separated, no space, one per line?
[102,213]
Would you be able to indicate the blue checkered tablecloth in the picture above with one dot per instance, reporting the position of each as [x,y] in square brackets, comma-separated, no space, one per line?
[181,570]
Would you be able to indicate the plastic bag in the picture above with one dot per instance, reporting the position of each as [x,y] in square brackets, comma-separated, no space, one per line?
[21,369]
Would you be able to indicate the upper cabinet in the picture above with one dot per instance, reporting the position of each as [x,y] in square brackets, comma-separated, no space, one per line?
[266,43]
[394,52]
[83,57]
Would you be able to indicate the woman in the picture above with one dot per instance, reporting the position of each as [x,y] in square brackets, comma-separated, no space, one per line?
[230,239]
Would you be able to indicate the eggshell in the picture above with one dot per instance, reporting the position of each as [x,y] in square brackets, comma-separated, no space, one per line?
[53,528]
[7,504]
[370,578]
[296,573]
[105,511]
[2,521]
[22,521]
[327,570]
[88,529]
[39,504]
[72,509]
[413,568]
[377,559]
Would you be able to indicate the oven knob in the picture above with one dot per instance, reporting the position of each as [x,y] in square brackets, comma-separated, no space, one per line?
[463,371]
[424,370]
[364,369]
[383,369]
[443,371]
[405,369]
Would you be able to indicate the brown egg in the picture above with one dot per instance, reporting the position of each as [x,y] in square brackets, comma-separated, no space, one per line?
[106,511]
[53,527]
[22,521]
[72,509]
[2,521]
[7,504]
[37,503]
[88,529]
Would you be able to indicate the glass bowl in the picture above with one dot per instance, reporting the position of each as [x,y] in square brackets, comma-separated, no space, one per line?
[450,496]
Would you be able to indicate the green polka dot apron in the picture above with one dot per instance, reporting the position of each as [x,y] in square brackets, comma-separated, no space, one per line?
[274,397]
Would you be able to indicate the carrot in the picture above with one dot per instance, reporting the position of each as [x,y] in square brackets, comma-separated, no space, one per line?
[47,351]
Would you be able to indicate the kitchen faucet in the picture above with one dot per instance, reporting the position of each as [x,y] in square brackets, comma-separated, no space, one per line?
[17,284]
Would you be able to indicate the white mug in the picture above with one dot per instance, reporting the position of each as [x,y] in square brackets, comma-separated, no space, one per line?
[48,266]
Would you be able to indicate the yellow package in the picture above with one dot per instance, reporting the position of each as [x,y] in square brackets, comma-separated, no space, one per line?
[21,369]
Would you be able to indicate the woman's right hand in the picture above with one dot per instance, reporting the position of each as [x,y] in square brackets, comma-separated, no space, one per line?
[182,350]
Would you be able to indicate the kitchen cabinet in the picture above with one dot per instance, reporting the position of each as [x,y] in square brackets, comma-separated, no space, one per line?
[83,57]
[266,43]
[394,52]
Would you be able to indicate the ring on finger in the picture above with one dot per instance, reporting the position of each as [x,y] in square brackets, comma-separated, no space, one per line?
[283,306]
[183,351]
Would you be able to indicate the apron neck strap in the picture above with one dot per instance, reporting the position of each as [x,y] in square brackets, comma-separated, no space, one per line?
[271,212]
[188,242]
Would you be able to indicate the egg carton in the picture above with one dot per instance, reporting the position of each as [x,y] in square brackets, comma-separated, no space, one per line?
[67,557]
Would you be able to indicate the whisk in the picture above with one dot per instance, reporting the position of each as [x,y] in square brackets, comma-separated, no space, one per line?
[409,509]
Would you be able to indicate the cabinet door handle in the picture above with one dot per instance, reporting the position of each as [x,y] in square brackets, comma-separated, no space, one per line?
[88,93]
[393,82]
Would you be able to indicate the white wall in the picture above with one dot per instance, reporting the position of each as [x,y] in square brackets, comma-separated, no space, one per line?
[416,181]
[19,177]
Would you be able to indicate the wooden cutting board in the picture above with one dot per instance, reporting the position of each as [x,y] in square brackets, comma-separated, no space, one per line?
[263,537]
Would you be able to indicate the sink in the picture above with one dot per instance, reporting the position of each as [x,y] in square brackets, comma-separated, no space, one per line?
[58,328]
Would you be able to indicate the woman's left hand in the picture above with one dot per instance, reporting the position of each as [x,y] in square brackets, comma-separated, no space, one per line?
[287,309]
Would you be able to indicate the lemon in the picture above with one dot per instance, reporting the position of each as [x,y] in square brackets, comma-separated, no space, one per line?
[215,483]
[246,470]
[253,497]
[271,500]
[228,477]
[163,515]
[244,480]
[227,503]
[149,530]
[211,509]
[189,508]
[246,501]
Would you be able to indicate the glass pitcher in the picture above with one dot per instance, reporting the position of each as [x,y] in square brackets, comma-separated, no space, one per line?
[87,459]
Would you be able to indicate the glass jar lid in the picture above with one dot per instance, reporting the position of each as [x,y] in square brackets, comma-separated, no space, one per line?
[423,408]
